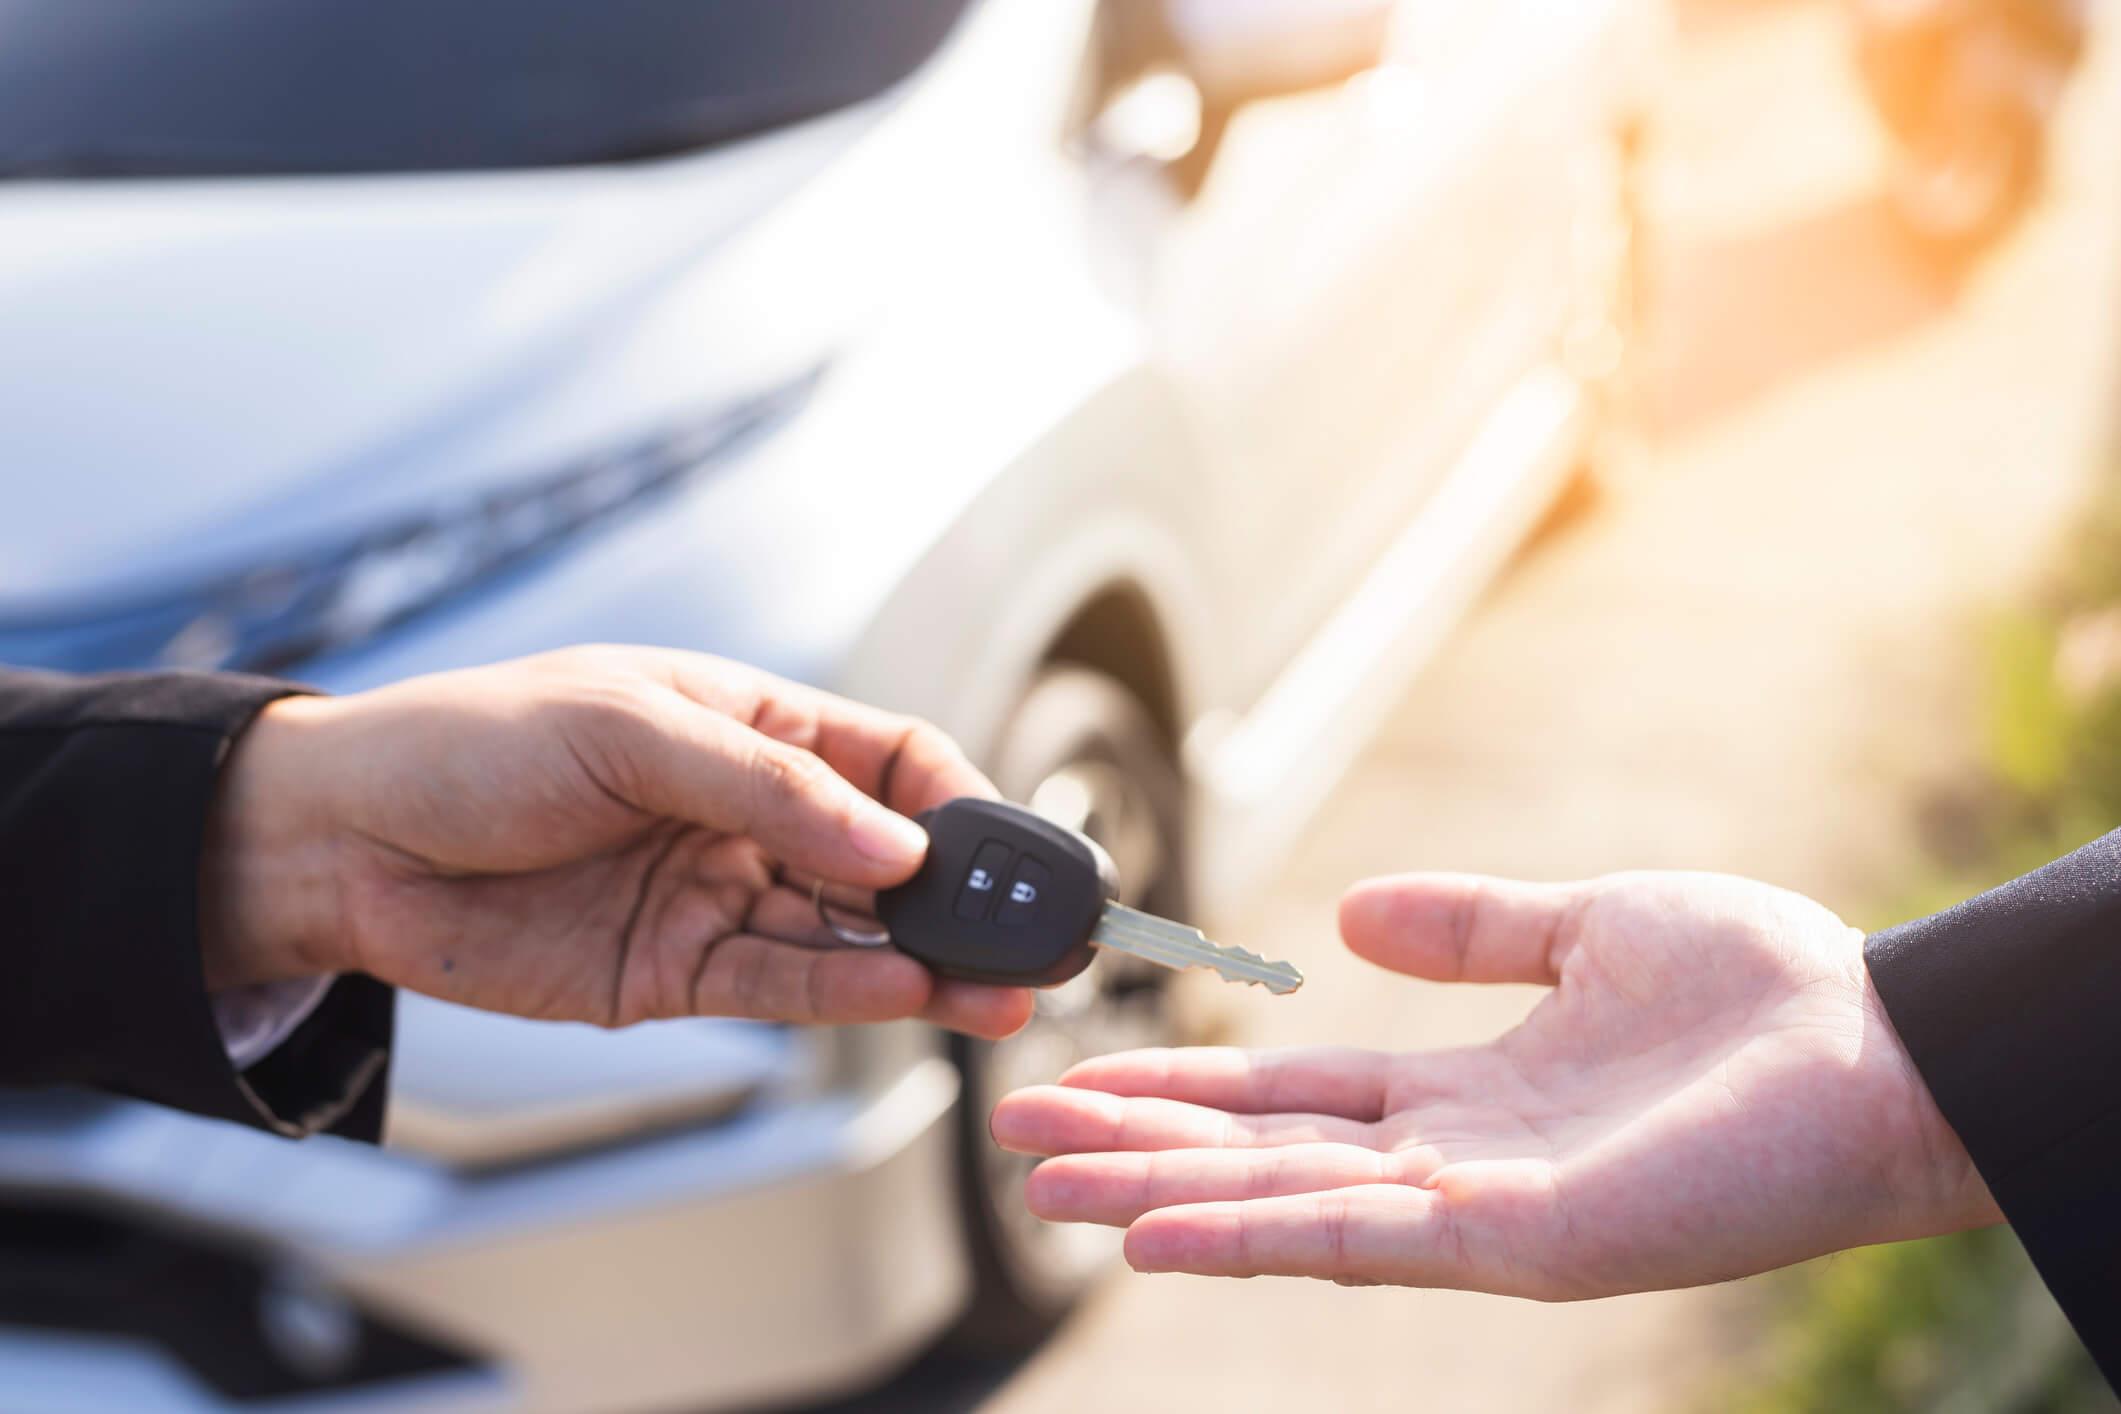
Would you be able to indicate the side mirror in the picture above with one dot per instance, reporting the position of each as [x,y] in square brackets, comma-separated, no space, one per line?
[1239,51]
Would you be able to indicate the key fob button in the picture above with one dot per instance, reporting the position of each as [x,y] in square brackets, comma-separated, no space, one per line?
[1028,888]
[1004,897]
[984,881]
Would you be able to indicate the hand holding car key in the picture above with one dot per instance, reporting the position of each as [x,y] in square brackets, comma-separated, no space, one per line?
[1009,898]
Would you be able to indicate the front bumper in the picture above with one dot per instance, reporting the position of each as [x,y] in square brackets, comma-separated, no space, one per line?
[794,1250]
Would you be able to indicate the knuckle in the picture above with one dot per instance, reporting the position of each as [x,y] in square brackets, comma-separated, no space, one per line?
[1337,1223]
[788,780]
[733,983]
[813,989]
[766,983]
[585,661]
[920,745]
[606,706]
[599,723]
[924,735]
[929,741]
[783,772]
[1464,919]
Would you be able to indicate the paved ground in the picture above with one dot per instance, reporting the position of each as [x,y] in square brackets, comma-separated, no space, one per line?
[1749,656]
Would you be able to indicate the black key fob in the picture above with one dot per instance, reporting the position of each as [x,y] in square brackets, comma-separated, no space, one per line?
[1004,896]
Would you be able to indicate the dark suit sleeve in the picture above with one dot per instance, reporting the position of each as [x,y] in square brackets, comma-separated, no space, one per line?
[105,783]
[2011,1007]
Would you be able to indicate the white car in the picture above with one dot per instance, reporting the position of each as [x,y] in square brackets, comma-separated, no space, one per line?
[1139,392]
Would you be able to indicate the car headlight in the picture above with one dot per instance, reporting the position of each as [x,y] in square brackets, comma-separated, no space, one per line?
[272,616]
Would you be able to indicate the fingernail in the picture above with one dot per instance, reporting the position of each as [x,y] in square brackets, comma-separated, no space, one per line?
[888,837]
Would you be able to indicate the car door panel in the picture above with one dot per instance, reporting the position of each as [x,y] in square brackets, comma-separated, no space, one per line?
[1365,273]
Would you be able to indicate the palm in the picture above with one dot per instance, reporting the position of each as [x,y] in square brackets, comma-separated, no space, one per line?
[623,929]
[618,835]
[1707,1092]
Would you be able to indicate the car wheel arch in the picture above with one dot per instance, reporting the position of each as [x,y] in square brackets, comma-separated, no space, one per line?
[1118,631]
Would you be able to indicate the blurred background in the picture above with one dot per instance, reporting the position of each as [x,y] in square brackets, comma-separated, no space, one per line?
[1289,440]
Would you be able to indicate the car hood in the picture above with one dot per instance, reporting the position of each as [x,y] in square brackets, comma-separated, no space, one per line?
[192,369]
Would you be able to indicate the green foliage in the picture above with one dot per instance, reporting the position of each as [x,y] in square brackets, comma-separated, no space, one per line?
[2055,755]
[2095,760]
[2090,568]
[1952,1324]
[1961,1324]
[2054,727]
[2028,720]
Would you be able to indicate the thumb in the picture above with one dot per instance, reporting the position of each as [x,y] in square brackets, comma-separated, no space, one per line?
[1463,928]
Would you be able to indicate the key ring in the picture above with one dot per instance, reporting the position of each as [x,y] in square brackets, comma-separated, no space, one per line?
[849,936]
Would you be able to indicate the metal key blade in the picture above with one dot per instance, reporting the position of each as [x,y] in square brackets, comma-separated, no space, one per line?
[1178,947]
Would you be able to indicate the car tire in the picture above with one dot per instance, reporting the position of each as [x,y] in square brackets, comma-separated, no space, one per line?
[1082,749]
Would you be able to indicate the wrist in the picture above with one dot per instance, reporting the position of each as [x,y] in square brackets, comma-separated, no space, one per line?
[1948,1192]
[267,880]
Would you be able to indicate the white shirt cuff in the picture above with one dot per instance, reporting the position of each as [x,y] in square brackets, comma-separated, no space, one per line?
[255,1021]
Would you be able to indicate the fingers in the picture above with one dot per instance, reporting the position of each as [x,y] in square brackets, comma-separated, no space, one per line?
[902,761]
[1459,928]
[789,916]
[1494,1226]
[790,913]
[1056,1119]
[991,1012]
[824,783]
[1385,1234]
[706,769]
[988,1012]
[765,980]
[1116,1189]
[1326,1080]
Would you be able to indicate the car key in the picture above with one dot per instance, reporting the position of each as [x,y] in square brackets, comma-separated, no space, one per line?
[1008,897]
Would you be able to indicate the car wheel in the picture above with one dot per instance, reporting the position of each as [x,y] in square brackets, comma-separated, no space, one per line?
[1083,751]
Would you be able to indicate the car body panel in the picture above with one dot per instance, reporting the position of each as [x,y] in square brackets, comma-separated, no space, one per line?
[1316,413]
[546,1268]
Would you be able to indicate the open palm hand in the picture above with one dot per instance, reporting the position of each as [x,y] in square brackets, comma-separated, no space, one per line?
[1711,1089]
